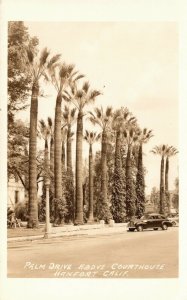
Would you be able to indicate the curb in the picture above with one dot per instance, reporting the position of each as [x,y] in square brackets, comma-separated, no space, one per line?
[76,232]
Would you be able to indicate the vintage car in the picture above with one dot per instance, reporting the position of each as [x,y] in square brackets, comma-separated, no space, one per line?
[149,221]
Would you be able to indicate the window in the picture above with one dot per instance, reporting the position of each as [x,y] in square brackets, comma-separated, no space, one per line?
[16,196]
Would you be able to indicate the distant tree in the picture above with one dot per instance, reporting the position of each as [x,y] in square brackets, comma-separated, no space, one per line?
[175,198]
[155,199]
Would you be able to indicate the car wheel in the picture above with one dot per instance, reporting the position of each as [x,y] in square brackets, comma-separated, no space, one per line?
[131,229]
[155,228]
[174,223]
[140,228]
[164,227]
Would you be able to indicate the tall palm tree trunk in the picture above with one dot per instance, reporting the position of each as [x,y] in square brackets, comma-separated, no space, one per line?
[33,203]
[104,168]
[168,206]
[162,192]
[63,157]
[57,152]
[69,151]
[79,192]
[52,155]
[90,215]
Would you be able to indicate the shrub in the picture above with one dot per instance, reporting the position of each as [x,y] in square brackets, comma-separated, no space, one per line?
[21,210]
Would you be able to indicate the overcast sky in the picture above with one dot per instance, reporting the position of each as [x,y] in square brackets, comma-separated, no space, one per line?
[134,64]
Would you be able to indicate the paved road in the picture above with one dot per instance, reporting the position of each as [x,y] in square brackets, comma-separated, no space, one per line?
[148,254]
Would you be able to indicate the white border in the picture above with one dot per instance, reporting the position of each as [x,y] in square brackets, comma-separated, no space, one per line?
[98,10]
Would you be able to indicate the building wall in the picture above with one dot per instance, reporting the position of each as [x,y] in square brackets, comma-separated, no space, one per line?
[16,192]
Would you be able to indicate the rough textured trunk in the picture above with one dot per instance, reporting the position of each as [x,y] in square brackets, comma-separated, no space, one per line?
[63,157]
[130,195]
[69,152]
[167,194]
[79,192]
[33,202]
[57,149]
[90,214]
[140,186]
[162,192]
[52,156]
[104,167]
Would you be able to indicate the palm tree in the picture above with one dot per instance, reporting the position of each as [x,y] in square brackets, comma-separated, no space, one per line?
[170,151]
[91,137]
[122,119]
[61,76]
[80,98]
[37,68]
[161,150]
[143,137]
[104,120]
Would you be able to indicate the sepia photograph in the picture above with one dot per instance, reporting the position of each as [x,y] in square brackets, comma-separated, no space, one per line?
[93,155]
[92,161]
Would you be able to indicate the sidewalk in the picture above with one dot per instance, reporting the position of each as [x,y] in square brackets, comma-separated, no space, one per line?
[25,234]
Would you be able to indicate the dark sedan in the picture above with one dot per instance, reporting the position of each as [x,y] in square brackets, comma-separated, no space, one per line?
[149,221]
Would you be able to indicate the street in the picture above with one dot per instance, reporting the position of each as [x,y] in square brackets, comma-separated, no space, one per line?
[147,254]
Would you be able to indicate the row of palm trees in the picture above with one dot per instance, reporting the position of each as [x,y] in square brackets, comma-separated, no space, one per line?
[165,152]
[119,125]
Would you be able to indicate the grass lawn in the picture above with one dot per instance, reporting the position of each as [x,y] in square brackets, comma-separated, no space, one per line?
[23,231]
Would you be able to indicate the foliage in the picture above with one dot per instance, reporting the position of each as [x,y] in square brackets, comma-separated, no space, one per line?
[69,195]
[61,210]
[155,198]
[118,207]
[18,153]
[21,210]
[19,81]
[140,186]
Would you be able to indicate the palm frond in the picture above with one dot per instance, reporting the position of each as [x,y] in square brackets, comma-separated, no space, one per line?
[94,94]
[109,111]
[78,77]
[43,57]
[79,94]
[54,60]
[98,112]
[50,122]
[86,86]
[73,111]
[66,98]
[70,68]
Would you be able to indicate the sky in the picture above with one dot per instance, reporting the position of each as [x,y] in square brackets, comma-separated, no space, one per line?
[134,64]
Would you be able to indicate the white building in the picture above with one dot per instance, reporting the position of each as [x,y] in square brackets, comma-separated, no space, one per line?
[16,192]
